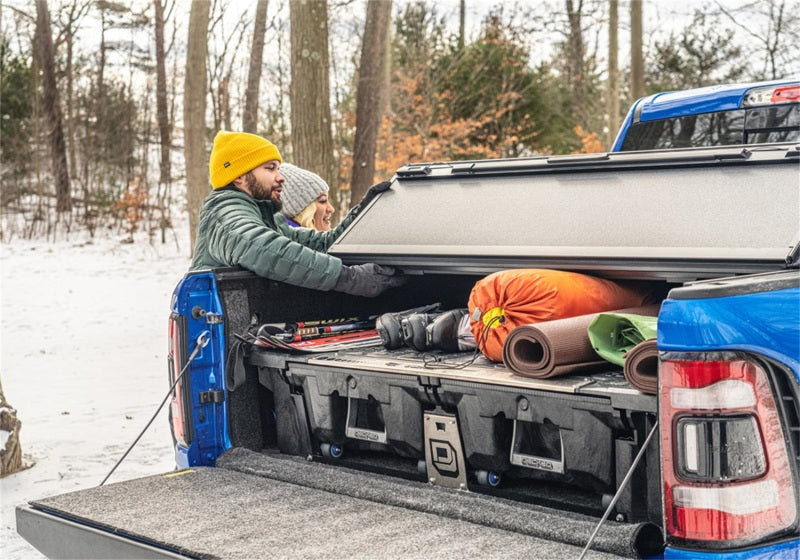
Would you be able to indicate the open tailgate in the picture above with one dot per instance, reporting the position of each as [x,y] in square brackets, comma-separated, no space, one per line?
[255,505]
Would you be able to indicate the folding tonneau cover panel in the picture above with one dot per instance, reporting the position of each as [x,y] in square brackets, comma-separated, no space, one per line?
[671,215]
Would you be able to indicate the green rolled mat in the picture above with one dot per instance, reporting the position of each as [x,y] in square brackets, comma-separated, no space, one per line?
[613,335]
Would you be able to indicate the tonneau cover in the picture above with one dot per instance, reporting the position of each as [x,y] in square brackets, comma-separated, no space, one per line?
[673,215]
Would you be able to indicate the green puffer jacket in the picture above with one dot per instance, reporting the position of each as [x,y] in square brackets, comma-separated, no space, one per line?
[235,229]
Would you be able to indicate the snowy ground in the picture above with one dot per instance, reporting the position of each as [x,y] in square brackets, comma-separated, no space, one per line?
[84,339]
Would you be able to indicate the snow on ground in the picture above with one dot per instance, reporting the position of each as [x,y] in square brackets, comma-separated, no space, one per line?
[84,340]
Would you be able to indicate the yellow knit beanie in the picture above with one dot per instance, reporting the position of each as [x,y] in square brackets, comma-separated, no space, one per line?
[236,153]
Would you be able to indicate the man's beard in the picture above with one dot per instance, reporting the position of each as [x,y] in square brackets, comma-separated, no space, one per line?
[261,192]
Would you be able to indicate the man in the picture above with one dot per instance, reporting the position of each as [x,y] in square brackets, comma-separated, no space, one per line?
[238,226]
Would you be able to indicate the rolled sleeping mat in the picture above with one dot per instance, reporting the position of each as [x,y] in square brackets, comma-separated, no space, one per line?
[615,336]
[641,367]
[559,347]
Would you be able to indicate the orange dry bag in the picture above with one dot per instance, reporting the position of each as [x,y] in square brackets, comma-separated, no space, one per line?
[510,298]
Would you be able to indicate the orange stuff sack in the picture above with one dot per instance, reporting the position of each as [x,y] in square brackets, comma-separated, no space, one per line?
[507,299]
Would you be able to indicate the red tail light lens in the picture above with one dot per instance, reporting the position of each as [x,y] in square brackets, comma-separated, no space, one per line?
[726,467]
[176,360]
[786,95]
[771,95]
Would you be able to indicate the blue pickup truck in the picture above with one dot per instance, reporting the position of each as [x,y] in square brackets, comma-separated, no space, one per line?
[751,113]
[357,450]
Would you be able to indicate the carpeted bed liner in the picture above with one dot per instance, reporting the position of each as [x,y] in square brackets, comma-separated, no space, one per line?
[628,540]
[257,505]
[211,513]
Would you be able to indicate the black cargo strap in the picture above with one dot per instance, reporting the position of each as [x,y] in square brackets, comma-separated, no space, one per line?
[234,366]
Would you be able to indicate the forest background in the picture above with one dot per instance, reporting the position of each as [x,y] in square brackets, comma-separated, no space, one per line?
[108,109]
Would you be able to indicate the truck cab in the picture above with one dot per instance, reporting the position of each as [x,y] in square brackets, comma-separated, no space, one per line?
[750,113]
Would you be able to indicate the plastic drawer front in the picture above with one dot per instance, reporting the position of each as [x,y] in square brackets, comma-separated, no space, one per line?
[360,410]
[500,432]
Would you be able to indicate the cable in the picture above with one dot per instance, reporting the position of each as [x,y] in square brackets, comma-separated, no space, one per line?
[622,485]
[430,361]
[202,342]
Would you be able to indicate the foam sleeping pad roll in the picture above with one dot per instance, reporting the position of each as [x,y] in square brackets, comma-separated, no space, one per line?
[503,301]
[560,347]
[641,367]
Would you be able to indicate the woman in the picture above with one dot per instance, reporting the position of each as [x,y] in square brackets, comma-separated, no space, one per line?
[305,199]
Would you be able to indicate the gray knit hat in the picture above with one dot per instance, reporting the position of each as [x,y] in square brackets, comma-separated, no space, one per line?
[300,189]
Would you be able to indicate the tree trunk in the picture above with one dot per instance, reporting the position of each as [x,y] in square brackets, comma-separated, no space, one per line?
[312,138]
[223,94]
[368,96]
[194,111]
[164,127]
[612,100]
[76,13]
[575,59]
[250,117]
[52,108]
[637,57]
[11,453]
[462,18]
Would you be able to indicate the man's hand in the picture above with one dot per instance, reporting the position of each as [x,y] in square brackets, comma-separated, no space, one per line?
[368,280]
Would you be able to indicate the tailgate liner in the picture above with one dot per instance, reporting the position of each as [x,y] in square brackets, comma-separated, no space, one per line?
[295,508]
[623,539]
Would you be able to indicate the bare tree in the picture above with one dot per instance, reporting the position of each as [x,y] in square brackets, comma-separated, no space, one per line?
[774,26]
[612,106]
[223,56]
[250,117]
[164,124]
[369,95]
[194,110]
[576,52]
[70,19]
[462,18]
[162,116]
[312,137]
[52,107]
[637,57]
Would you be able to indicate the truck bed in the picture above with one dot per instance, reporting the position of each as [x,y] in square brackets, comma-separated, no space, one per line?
[257,502]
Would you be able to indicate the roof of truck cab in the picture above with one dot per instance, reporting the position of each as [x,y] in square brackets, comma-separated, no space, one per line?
[722,97]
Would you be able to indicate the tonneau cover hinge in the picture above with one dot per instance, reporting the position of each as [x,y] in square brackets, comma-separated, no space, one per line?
[793,258]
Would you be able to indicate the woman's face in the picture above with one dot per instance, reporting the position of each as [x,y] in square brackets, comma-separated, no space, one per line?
[323,213]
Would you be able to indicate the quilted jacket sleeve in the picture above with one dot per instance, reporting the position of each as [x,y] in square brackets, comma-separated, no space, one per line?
[236,234]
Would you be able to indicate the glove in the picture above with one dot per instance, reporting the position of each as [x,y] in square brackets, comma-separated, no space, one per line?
[368,280]
[374,191]
[371,193]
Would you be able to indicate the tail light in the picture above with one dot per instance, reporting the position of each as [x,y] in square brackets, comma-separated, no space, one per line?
[771,95]
[181,397]
[726,471]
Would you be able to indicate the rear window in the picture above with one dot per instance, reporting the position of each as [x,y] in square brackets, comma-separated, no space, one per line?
[741,126]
